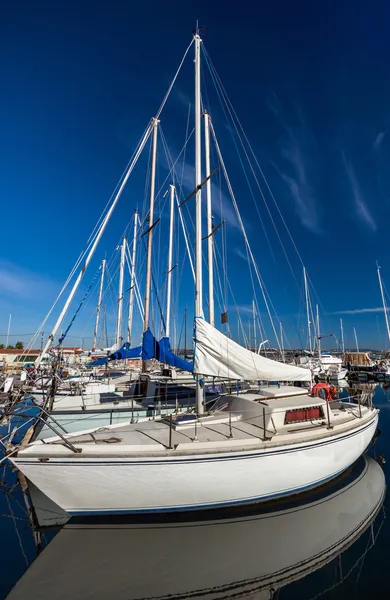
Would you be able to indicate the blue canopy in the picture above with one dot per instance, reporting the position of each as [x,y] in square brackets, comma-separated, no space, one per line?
[150,348]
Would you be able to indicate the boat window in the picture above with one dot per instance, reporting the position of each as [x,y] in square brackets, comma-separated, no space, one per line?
[29,358]
[303,414]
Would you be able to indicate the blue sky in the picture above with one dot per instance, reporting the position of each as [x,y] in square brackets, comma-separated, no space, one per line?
[310,83]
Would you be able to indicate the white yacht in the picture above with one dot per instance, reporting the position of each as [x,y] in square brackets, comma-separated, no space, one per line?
[189,462]
[238,554]
[246,449]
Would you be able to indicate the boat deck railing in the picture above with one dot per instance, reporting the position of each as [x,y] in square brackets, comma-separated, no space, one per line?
[257,424]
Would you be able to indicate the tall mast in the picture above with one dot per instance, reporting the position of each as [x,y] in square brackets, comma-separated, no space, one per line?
[342,335]
[99,304]
[132,279]
[356,339]
[170,252]
[8,330]
[254,326]
[210,239]
[281,341]
[318,333]
[93,248]
[198,208]
[148,283]
[104,328]
[384,302]
[185,331]
[307,308]
[118,336]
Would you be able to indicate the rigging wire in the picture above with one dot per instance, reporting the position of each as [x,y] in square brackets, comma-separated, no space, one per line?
[249,249]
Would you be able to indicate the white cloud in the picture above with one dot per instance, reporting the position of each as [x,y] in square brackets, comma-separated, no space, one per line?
[379,139]
[299,150]
[358,311]
[362,210]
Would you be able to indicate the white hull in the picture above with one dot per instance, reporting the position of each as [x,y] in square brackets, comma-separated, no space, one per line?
[336,375]
[111,484]
[239,556]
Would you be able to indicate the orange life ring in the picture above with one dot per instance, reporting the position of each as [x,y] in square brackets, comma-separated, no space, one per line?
[329,391]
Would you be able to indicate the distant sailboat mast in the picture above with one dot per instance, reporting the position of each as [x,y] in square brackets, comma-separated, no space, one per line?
[132,279]
[356,339]
[307,309]
[342,335]
[383,302]
[318,333]
[118,335]
[99,305]
[8,330]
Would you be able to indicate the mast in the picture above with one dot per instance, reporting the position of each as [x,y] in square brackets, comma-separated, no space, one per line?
[318,333]
[118,336]
[99,305]
[170,252]
[254,326]
[148,283]
[8,330]
[342,335]
[307,308]
[281,341]
[210,239]
[93,247]
[198,209]
[104,328]
[132,279]
[383,302]
[185,332]
[356,339]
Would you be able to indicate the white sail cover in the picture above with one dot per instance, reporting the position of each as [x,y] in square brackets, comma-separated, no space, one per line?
[219,356]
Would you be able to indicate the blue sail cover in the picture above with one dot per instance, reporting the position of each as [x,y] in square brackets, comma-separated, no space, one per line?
[165,355]
[124,352]
[150,348]
[98,362]
[149,345]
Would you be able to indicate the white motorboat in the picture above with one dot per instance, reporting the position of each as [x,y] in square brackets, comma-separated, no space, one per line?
[238,554]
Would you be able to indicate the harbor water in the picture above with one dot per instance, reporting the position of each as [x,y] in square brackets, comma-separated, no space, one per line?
[328,543]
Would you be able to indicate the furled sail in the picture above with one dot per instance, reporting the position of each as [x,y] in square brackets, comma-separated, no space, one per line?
[150,348]
[219,356]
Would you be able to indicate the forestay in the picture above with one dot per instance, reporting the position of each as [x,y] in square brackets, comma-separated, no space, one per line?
[219,356]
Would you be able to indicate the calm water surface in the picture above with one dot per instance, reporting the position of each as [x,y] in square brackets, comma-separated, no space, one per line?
[330,543]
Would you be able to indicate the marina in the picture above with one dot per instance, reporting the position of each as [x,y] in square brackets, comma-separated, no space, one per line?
[201,406]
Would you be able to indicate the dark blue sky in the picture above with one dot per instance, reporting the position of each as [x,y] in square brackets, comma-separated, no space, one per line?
[310,83]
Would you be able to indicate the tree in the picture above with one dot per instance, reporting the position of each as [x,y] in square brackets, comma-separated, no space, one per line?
[10,347]
[1,346]
[19,345]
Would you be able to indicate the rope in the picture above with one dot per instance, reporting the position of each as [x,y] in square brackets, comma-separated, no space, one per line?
[63,336]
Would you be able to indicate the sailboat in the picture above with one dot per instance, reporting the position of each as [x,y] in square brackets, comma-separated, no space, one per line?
[253,552]
[245,450]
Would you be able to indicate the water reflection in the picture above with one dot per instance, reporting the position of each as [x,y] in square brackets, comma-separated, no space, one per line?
[255,552]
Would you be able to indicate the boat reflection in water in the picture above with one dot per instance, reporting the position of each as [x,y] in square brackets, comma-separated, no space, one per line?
[249,553]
